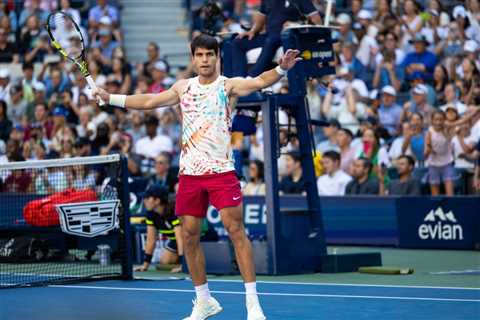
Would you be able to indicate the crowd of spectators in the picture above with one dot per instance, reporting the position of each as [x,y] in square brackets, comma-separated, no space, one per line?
[402,106]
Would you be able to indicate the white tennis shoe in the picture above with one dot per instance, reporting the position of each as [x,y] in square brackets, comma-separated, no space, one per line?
[203,309]
[254,310]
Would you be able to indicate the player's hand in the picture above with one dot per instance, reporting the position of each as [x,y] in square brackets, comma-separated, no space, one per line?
[176,269]
[100,94]
[289,59]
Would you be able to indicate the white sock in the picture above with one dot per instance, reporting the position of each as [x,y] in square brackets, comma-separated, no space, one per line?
[251,290]
[202,292]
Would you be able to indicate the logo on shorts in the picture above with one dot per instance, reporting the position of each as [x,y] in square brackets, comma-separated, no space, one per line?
[236,198]
[440,226]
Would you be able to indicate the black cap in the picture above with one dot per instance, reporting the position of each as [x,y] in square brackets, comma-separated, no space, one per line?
[156,191]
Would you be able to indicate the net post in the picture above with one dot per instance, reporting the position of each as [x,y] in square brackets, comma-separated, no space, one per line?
[127,265]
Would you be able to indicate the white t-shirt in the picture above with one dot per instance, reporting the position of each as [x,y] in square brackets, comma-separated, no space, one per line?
[396,149]
[151,148]
[458,150]
[333,185]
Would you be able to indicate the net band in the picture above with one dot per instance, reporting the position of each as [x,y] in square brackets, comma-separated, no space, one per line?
[65,162]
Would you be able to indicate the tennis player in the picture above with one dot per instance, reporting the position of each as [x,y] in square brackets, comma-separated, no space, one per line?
[207,173]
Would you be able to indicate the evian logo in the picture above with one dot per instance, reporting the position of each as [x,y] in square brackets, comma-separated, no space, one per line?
[440,226]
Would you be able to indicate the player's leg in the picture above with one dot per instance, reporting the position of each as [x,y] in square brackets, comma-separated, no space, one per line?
[225,194]
[191,207]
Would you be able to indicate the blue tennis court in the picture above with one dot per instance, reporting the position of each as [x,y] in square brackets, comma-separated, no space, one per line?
[170,299]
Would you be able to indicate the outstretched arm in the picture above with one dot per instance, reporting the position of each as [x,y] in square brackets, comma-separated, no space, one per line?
[243,86]
[142,101]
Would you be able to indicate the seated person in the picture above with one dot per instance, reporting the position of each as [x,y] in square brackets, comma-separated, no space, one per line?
[161,219]
[273,15]
[363,182]
[293,182]
[406,185]
[334,181]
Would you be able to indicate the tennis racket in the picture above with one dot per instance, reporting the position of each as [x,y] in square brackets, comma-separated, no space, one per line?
[66,37]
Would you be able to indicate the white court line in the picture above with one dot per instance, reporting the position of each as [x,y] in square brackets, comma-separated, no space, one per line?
[348,284]
[267,293]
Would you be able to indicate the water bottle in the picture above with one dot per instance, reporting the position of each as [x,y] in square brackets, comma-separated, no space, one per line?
[104,254]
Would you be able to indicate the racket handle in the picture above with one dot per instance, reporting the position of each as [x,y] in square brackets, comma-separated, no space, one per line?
[92,86]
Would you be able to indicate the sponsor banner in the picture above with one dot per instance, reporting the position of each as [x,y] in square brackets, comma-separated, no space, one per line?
[446,223]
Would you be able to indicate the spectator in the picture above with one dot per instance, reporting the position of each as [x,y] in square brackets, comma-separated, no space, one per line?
[85,128]
[347,152]
[33,42]
[387,72]
[56,84]
[347,111]
[451,100]
[33,10]
[159,74]
[39,93]
[66,7]
[349,61]
[330,132]
[137,129]
[418,105]
[390,112]
[438,152]
[367,44]
[399,146]
[362,182]
[103,48]
[82,147]
[385,19]
[273,16]
[293,182]
[41,119]
[463,144]
[153,55]
[8,51]
[17,105]
[94,69]
[152,145]
[256,185]
[163,176]
[4,83]
[373,150]
[421,61]
[81,178]
[334,181]
[5,123]
[440,81]
[121,71]
[344,34]
[411,22]
[406,184]
[100,10]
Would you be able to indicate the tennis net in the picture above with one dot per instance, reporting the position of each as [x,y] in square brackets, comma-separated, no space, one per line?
[64,220]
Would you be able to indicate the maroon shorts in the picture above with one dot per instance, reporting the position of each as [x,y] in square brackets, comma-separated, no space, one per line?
[221,190]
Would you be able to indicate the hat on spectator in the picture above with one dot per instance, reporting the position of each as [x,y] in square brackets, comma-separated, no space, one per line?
[420,89]
[364,14]
[60,111]
[160,65]
[374,94]
[38,86]
[104,32]
[389,90]
[470,46]
[105,20]
[419,38]
[344,18]
[4,73]
[459,11]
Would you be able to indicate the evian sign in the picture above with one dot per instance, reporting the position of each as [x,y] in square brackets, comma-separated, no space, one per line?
[438,225]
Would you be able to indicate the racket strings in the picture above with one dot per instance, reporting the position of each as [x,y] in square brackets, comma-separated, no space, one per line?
[66,35]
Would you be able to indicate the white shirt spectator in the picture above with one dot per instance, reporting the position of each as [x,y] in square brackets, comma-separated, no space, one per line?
[333,185]
[396,149]
[151,148]
[458,150]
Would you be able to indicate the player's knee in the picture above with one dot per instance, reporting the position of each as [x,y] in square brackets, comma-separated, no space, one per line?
[190,237]
[235,231]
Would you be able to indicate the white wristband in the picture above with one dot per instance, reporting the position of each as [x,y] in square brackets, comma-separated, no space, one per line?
[117,100]
[280,71]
